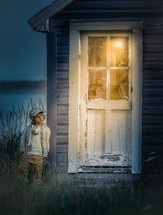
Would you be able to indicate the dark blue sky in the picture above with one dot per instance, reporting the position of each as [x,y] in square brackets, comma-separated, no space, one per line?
[22,50]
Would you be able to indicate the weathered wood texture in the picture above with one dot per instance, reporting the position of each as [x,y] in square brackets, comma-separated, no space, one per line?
[51,93]
[151,13]
[62,99]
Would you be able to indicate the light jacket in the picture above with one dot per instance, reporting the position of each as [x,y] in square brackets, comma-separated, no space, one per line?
[26,143]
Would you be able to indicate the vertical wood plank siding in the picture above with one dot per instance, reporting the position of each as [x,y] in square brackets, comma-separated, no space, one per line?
[51,93]
[62,98]
[151,13]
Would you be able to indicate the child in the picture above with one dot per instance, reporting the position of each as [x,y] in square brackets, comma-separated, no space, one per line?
[34,146]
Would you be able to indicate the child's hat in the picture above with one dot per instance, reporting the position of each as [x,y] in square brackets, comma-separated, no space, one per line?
[34,112]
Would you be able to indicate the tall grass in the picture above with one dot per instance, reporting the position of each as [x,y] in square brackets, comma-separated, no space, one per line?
[64,194]
[11,126]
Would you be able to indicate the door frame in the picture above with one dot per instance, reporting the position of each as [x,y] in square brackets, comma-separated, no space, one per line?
[74,142]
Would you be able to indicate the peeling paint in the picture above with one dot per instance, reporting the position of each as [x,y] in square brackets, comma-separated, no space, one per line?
[100,159]
[105,117]
[110,157]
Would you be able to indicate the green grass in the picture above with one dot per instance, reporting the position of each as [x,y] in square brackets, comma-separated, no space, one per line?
[61,196]
[65,195]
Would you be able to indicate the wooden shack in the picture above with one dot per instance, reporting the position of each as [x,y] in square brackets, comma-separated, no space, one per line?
[104,84]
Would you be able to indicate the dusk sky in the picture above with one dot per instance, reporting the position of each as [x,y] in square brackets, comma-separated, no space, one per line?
[22,50]
[22,54]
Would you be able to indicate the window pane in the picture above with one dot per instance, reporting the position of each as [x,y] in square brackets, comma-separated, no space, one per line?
[97,84]
[119,51]
[97,49]
[119,84]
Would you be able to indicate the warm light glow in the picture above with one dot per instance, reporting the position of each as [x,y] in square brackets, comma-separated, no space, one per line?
[118,44]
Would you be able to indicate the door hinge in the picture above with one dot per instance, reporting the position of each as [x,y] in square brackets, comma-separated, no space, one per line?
[131,90]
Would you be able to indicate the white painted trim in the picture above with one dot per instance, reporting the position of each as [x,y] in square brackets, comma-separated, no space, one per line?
[74,95]
[49,11]
[108,26]
[74,88]
[137,103]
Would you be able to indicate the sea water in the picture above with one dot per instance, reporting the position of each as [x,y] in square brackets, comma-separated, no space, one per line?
[10,99]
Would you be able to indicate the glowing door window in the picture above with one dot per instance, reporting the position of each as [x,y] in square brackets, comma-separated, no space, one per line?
[108,67]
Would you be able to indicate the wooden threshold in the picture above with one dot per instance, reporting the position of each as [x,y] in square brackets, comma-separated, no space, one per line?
[111,169]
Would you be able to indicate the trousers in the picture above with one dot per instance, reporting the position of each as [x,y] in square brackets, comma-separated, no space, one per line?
[31,168]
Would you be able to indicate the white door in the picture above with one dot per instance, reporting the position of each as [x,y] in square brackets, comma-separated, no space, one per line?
[105,100]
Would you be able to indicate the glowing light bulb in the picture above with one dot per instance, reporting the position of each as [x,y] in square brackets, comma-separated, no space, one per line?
[118,44]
